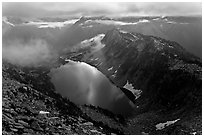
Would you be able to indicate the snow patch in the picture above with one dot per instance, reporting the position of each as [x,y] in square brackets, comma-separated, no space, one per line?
[95,131]
[136,38]
[156,19]
[25,88]
[100,64]
[114,75]
[130,87]
[122,31]
[163,16]
[71,61]
[43,112]
[144,20]
[161,126]
[194,133]
[110,69]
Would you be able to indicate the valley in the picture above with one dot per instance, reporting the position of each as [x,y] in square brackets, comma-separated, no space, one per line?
[102,75]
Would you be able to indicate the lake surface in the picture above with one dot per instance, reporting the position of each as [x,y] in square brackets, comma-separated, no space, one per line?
[84,84]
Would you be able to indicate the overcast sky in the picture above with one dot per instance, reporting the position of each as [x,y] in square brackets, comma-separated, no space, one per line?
[94,9]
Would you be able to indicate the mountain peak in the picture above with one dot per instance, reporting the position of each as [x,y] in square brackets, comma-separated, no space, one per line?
[113,35]
[153,44]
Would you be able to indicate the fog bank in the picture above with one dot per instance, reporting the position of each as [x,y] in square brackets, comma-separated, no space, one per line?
[31,53]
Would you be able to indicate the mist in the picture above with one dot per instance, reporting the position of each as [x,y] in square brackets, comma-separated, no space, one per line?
[84,84]
[31,53]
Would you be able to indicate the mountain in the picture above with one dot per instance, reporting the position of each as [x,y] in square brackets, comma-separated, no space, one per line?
[184,30]
[162,69]
[64,33]
[162,79]
[161,75]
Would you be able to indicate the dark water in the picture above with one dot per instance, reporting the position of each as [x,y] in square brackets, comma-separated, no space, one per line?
[84,84]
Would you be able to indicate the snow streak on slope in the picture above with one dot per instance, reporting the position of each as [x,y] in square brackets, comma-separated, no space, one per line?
[161,126]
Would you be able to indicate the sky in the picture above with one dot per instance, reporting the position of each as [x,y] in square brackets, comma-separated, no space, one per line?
[40,9]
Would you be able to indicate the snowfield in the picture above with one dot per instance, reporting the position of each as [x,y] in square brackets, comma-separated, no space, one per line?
[130,87]
[161,126]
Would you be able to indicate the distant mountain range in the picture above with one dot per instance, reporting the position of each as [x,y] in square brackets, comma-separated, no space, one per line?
[187,31]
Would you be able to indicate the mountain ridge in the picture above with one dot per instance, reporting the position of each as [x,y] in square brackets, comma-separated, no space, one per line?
[166,56]
[162,70]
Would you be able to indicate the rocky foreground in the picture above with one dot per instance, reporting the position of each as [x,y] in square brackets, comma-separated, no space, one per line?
[32,110]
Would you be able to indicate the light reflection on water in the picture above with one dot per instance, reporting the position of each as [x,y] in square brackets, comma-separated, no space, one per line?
[84,84]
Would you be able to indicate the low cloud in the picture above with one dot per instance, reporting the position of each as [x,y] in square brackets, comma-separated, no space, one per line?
[32,53]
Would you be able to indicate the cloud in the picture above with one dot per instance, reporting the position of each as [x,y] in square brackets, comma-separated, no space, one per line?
[99,8]
[32,53]
[22,9]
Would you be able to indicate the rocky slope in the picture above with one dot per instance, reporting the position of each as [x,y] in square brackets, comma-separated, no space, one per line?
[30,106]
